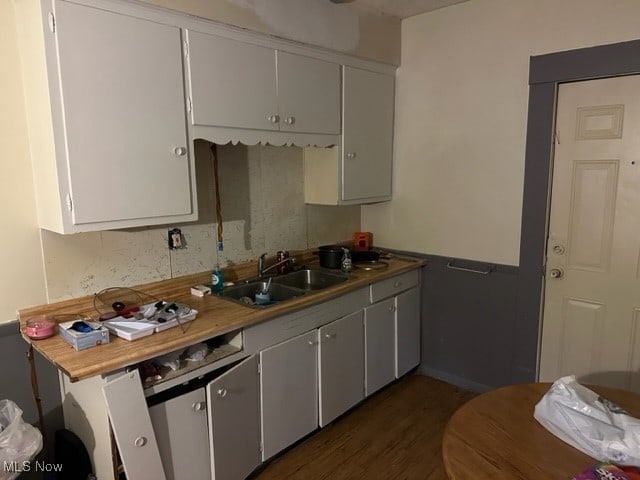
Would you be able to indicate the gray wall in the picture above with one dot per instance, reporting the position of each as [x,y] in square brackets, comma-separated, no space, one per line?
[468,324]
[15,381]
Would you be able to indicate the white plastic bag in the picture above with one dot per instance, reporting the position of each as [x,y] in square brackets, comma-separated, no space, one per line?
[19,441]
[590,423]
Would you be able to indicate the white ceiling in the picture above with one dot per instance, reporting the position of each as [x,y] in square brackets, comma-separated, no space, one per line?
[405,8]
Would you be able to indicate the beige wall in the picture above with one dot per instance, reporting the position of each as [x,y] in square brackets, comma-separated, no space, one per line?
[345,28]
[461,113]
[21,275]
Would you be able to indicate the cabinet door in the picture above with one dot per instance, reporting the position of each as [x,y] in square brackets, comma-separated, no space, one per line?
[308,94]
[124,116]
[131,424]
[180,425]
[289,388]
[234,421]
[341,366]
[367,151]
[407,331]
[379,345]
[232,84]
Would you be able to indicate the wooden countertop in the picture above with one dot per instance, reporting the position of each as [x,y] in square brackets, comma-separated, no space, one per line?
[215,317]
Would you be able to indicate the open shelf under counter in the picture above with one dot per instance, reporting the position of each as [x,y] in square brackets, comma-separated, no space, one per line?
[227,349]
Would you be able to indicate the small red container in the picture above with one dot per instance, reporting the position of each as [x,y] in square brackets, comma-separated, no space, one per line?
[362,241]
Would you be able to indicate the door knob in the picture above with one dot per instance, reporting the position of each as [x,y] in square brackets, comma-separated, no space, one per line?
[556,273]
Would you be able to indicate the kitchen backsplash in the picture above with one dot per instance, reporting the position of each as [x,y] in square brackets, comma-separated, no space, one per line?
[263,210]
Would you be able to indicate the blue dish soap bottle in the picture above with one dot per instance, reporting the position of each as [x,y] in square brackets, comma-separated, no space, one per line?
[216,279]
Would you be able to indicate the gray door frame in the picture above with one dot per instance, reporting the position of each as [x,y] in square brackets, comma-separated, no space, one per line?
[545,73]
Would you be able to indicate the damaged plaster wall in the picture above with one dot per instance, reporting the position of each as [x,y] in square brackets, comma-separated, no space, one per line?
[263,210]
[345,28]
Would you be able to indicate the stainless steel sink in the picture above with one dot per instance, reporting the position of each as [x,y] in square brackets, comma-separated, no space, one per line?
[310,279]
[245,293]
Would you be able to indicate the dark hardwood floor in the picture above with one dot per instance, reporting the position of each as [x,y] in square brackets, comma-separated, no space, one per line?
[395,434]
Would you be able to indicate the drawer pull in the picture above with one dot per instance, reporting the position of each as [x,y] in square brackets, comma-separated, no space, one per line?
[397,284]
[222,392]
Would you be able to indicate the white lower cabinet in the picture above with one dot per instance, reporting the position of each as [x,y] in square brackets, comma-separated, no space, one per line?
[408,337]
[234,422]
[379,345]
[180,426]
[340,366]
[289,392]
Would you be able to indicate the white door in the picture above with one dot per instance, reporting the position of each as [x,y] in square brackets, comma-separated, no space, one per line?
[124,112]
[367,138]
[180,425]
[234,422]
[289,388]
[308,94]
[341,366]
[408,338]
[231,83]
[592,299]
[379,345]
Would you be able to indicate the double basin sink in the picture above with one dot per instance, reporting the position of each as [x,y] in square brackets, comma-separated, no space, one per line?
[283,287]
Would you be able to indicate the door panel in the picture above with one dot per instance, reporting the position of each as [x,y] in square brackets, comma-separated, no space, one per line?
[180,425]
[591,283]
[234,421]
[380,351]
[341,370]
[131,423]
[244,75]
[408,339]
[124,111]
[289,388]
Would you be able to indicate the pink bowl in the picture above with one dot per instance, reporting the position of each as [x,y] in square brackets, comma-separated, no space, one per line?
[40,328]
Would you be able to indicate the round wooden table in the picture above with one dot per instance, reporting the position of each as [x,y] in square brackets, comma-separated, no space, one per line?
[494,436]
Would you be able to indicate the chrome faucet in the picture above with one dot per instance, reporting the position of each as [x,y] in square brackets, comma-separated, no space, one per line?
[262,269]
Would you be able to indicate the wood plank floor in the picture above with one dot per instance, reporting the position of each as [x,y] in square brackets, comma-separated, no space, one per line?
[395,434]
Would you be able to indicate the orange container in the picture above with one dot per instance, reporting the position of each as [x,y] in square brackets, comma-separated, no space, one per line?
[362,241]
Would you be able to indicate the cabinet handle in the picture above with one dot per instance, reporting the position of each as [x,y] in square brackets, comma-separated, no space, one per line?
[273,118]
[311,342]
[397,284]
[140,441]
[179,151]
[392,309]
[330,335]
[199,406]
[222,392]
[290,120]
[351,155]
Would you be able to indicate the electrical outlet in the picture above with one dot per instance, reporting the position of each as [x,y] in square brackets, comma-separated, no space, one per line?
[174,237]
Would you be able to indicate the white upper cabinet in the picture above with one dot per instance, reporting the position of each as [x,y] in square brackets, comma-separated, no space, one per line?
[308,94]
[110,150]
[367,141]
[359,170]
[232,84]
[243,85]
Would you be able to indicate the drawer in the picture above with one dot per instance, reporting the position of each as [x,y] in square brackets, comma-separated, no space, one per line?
[394,285]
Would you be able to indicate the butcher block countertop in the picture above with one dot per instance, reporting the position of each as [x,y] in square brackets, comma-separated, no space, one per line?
[215,317]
